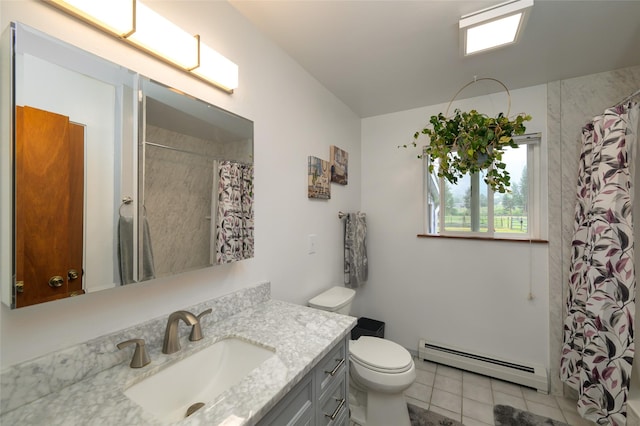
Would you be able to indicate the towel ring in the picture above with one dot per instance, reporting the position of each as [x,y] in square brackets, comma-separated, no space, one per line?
[475,80]
[126,200]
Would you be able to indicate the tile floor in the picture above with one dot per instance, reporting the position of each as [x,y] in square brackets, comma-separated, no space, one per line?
[469,398]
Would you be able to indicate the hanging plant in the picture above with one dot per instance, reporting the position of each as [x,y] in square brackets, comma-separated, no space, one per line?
[471,142]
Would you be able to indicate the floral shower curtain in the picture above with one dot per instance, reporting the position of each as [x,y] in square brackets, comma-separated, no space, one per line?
[234,223]
[598,348]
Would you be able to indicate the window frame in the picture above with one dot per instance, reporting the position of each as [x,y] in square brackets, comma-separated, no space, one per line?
[536,198]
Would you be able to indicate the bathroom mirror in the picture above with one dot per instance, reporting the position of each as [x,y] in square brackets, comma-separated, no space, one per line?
[83,173]
[184,140]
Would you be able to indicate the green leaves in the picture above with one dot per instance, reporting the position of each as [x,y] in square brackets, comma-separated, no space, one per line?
[470,142]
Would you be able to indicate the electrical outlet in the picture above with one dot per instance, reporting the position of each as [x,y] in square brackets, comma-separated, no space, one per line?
[312,243]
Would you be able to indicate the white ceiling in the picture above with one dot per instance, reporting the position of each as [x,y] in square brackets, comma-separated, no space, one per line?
[380,57]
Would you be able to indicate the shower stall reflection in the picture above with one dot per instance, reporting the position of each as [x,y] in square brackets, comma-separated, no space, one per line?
[180,156]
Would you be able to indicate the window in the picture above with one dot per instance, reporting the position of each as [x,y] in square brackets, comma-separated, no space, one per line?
[471,208]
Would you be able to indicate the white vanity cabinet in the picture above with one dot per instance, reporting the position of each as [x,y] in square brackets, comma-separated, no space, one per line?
[321,398]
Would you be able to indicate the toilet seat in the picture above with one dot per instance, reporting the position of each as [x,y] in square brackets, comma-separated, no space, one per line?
[383,356]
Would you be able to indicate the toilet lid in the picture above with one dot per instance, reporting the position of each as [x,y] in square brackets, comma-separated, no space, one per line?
[333,299]
[380,355]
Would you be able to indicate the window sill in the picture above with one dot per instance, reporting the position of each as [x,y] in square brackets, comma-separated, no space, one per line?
[467,237]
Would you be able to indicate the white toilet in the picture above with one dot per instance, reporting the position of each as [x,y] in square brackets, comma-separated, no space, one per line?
[380,370]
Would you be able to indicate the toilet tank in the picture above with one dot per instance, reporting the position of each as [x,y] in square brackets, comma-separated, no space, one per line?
[337,299]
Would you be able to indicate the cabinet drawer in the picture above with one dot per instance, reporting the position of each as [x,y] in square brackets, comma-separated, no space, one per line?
[343,418]
[334,404]
[296,409]
[331,367]
[321,397]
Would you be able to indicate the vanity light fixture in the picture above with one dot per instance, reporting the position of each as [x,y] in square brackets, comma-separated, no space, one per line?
[163,38]
[493,27]
[137,24]
[215,67]
[117,17]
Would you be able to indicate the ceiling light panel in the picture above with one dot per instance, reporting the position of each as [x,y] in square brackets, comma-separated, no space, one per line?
[493,27]
[492,34]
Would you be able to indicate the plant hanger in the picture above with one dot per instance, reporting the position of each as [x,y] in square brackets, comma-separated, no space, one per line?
[471,142]
[475,80]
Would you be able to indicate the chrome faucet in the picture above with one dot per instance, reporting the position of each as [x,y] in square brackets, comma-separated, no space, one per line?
[171,336]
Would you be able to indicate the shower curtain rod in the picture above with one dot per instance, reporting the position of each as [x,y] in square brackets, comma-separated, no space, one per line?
[628,98]
[342,215]
[211,157]
[157,145]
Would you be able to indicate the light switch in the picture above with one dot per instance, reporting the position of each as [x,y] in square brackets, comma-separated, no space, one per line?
[312,243]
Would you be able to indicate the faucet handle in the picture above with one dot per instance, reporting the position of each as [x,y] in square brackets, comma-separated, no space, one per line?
[140,355]
[196,330]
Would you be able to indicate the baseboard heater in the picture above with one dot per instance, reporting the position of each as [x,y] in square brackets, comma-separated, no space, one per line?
[530,375]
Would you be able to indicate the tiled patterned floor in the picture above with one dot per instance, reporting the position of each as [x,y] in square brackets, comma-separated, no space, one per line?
[469,398]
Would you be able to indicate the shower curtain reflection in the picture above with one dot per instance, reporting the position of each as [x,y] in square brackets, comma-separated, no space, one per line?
[234,222]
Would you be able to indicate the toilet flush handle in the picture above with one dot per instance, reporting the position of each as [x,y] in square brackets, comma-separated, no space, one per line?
[336,368]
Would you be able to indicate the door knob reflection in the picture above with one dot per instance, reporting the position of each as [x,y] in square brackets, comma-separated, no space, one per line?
[56,281]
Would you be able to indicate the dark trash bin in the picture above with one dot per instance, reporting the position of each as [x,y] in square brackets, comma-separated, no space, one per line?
[367,327]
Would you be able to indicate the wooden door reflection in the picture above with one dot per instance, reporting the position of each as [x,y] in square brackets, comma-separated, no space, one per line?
[49,206]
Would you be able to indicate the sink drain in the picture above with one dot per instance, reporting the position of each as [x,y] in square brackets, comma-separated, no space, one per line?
[193,408]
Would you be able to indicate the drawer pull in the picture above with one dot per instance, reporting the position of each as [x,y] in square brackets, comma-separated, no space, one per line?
[335,369]
[337,410]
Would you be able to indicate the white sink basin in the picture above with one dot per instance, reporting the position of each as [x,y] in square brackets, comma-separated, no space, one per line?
[198,378]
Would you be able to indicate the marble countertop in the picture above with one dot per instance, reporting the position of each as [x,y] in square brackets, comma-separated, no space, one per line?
[300,335]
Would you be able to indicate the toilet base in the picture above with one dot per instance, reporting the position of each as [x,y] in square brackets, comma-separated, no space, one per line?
[380,409]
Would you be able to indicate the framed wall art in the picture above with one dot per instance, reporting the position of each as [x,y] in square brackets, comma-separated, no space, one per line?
[319,178]
[339,165]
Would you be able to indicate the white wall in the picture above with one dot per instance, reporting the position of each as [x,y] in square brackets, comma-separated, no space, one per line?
[469,294]
[294,117]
